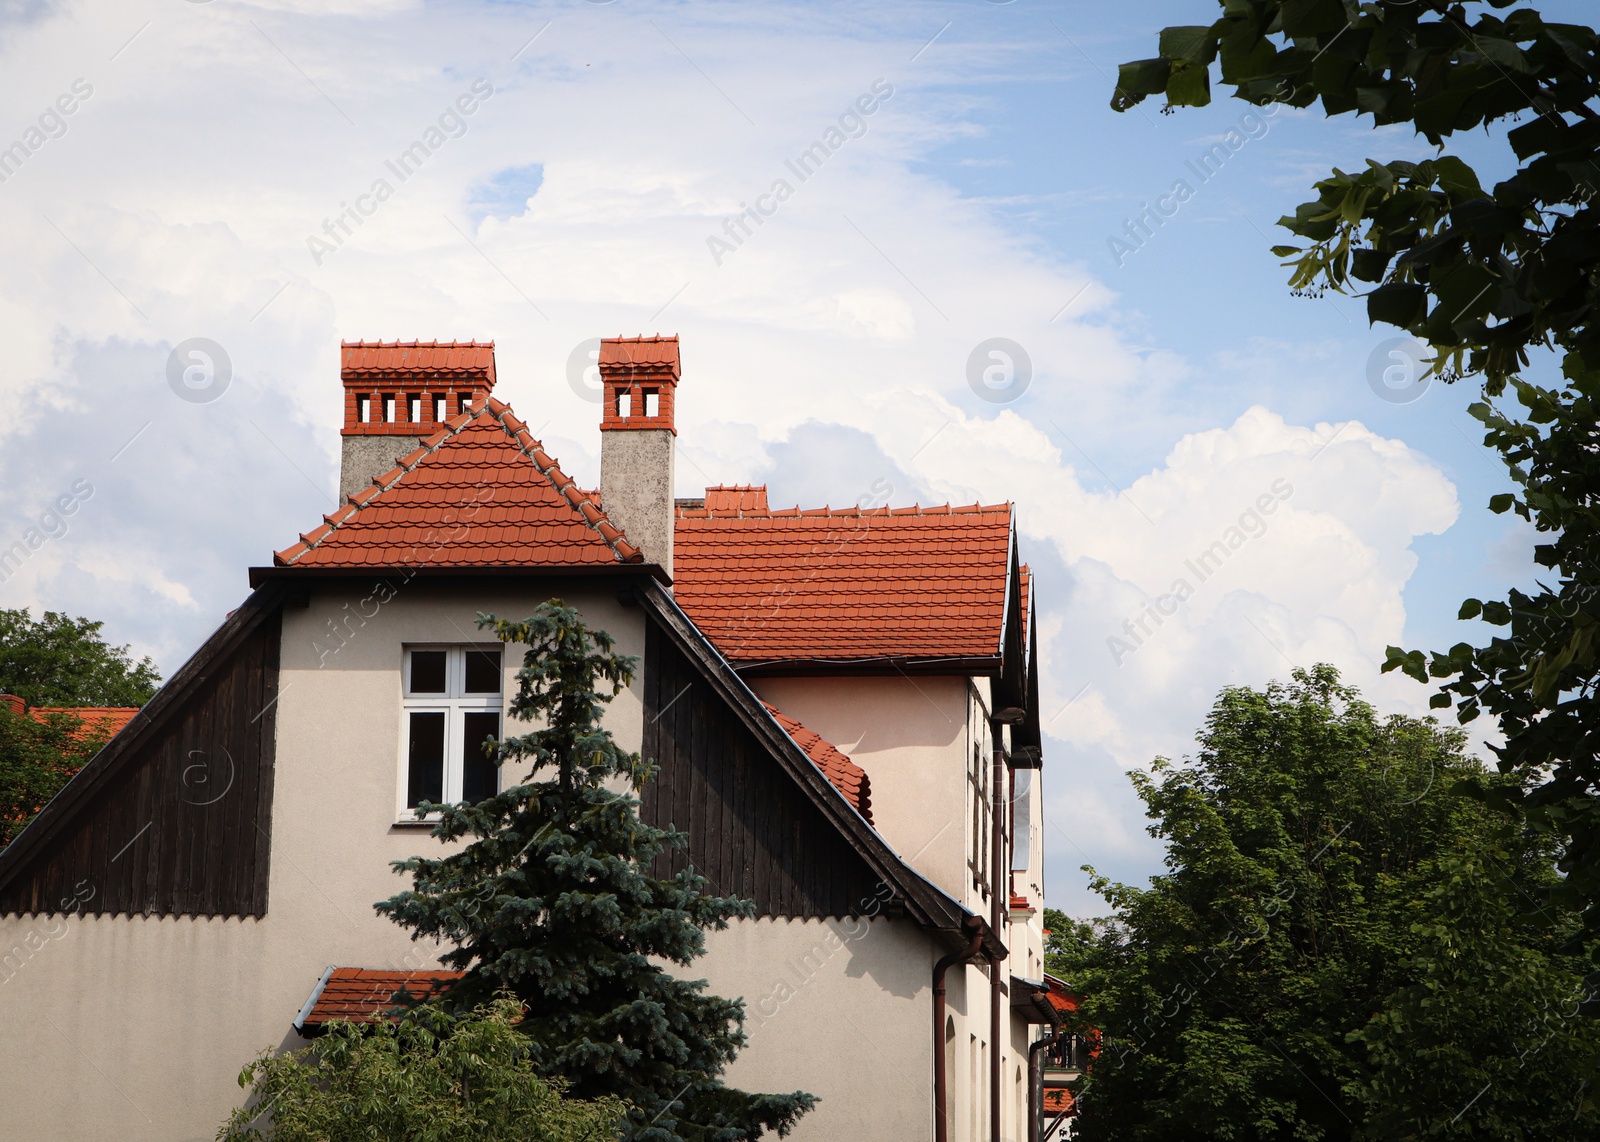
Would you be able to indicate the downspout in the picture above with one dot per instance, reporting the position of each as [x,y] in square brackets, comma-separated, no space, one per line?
[941,1081]
[998,906]
[1035,1067]
[1036,1084]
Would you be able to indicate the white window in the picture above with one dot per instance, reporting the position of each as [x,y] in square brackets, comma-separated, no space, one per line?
[452,705]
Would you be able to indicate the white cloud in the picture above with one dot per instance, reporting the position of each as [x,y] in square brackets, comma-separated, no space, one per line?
[179,202]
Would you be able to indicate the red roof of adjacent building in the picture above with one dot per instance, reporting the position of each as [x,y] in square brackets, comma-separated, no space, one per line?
[482,492]
[847,777]
[94,721]
[848,584]
[361,995]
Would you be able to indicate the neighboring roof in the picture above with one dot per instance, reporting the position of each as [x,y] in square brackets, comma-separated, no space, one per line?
[481,492]
[847,777]
[430,358]
[1058,1100]
[361,995]
[736,498]
[836,586]
[95,721]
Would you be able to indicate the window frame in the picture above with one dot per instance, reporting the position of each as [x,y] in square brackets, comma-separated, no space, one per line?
[455,703]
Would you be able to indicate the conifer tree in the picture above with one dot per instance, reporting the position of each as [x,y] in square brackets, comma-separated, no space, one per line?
[553,901]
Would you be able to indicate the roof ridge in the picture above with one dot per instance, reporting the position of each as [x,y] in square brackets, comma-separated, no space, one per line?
[569,491]
[542,461]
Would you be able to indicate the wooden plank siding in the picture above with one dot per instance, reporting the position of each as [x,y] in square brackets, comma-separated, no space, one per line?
[184,826]
[752,832]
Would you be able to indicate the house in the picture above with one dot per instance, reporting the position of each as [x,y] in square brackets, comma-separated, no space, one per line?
[843,705]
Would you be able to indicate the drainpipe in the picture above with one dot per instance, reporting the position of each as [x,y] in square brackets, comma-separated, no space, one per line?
[1036,1084]
[999,874]
[941,1081]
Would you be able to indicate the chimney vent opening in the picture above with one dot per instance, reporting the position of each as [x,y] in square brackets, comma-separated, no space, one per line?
[438,409]
[462,401]
[652,402]
[388,408]
[414,409]
[363,410]
[624,405]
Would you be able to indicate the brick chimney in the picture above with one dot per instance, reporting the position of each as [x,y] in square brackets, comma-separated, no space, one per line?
[397,392]
[639,378]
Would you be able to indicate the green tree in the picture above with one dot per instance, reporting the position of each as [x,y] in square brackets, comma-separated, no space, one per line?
[1494,280]
[62,661]
[36,759]
[1343,944]
[553,902]
[428,1076]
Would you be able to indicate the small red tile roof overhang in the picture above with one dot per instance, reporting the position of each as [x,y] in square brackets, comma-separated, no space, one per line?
[481,492]
[840,586]
[363,995]
[847,777]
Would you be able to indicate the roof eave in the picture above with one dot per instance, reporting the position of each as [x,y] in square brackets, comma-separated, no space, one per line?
[260,575]
[975,666]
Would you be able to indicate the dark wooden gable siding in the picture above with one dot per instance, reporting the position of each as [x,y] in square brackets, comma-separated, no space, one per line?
[180,822]
[752,831]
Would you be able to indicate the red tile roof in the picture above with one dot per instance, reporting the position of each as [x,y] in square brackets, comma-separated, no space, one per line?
[481,492]
[406,358]
[95,721]
[657,352]
[737,498]
[847,777]
[845,585]
[361,995]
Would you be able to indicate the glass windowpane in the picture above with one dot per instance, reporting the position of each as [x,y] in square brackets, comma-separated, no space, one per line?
[483,670]
[425,773]
[479,776]
[428,671]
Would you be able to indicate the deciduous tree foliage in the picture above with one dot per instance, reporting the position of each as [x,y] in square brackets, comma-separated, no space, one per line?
[553,901]
[1342,946]
[428,1077]
[36,760]
[1496,279]
[58,660]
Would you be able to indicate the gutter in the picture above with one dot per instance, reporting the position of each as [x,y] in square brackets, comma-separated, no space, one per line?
[299,1023]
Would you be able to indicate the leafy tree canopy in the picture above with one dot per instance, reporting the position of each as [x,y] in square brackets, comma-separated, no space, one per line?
[1493,279]
[428,1077]
[1342,945]
[553,901]
[62,661]
[36,760]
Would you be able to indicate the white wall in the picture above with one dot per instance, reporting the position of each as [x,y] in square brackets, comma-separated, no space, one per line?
[841,1009]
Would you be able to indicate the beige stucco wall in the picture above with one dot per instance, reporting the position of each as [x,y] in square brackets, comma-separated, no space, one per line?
[136,1028]
[913,738]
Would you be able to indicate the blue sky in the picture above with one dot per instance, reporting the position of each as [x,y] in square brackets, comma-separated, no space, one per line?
[192,194]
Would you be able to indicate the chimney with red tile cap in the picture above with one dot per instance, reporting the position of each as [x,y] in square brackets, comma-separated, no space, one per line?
[398,392]
[639,377]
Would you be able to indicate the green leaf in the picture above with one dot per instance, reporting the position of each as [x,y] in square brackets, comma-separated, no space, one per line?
[1470,609]
[1189,85]
[1139,79]
[1195,44]
[1397,303]
[1501,502]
